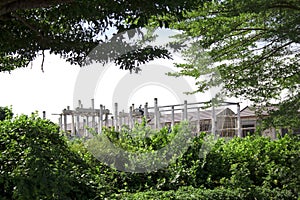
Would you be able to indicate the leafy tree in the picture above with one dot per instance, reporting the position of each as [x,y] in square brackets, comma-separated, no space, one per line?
[70,28]
[251,47]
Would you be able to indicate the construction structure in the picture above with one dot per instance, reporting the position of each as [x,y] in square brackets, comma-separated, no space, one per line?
[203,116]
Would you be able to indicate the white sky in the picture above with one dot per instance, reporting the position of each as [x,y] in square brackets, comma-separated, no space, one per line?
[29,89]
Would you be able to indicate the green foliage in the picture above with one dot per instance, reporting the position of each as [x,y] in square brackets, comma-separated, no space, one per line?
[5,113]
[244,163]
[71,29]
[36,162]
[249,47]
[251,167]
[140,149]
[216,194]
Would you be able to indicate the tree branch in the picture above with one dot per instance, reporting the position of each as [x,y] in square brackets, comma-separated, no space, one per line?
[8,6]
[287,6]
[270,54]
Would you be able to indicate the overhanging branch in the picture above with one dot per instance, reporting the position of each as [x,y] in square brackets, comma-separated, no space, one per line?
[8,6]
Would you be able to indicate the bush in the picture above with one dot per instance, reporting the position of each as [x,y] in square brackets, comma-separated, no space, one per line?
[36,162]
[207,194]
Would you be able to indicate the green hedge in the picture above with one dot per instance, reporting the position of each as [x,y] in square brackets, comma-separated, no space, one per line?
[207,194]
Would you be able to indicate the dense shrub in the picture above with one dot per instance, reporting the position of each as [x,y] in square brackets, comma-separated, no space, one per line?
[244,163]
[207,194]
[36,162]
[5,113]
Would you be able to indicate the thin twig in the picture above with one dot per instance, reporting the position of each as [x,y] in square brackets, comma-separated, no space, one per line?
[43,60]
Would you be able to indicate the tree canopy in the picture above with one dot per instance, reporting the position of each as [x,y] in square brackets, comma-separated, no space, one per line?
[254,46]
[70,28]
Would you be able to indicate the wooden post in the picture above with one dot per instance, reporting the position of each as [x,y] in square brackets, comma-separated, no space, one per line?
[156,114]
[198,119]
[44,114]
[112,122]
[123,117]
[100,124]
[120,120]
[116,116]
[65,122]
[130,117]
[146,110]
[213,120]
[87,125]
[173,117]
[93,114]
[84,129]
[238,121]
[78,120]
[185,111]
[60,122]
[78,124]
[73,125]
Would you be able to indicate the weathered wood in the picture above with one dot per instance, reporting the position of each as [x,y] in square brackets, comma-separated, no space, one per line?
[198,119]
[65,123]
[156,114]
[238,120]
[93,114]
[87,125]
[84,129]
[146,110]
[60,122]
[100,119]
[77,124]
[173,117]
[73,125]
[153,115]
[131,122]
[185,111]
[116,116]
[120,120]
[112,121]
[213,121]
